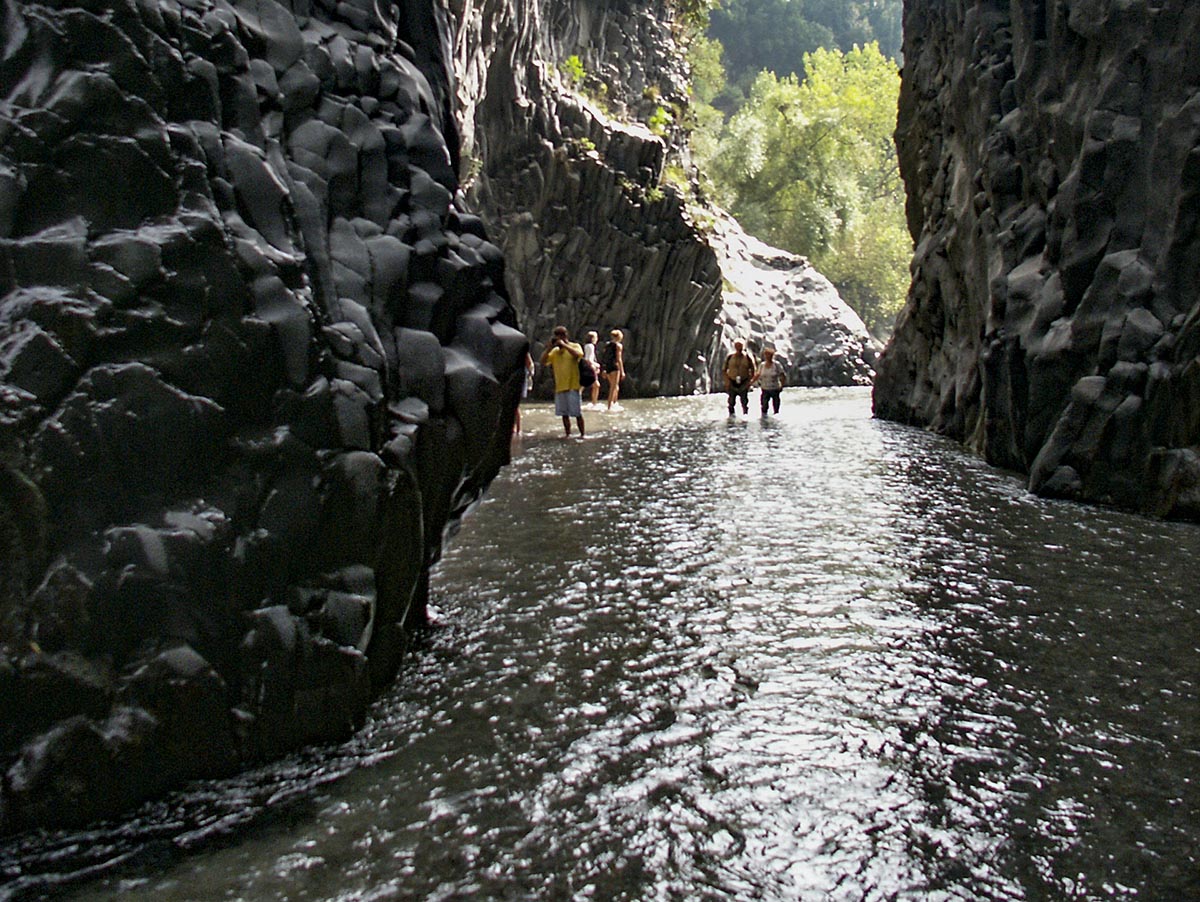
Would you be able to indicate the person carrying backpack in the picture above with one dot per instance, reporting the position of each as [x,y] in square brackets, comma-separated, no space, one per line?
[739,372]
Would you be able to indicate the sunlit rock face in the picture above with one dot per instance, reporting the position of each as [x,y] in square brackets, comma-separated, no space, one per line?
[587,182]
[1052,156]
[255,366]
[778,300]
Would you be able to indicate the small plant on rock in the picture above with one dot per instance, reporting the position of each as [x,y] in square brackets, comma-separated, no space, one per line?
[471,168]
[659,121]
[674,174]
[572,69]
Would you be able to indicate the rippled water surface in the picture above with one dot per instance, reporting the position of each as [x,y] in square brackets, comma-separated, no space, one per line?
[810,657]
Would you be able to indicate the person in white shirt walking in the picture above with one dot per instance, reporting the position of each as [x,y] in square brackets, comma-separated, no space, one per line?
[589,354]
[771,380]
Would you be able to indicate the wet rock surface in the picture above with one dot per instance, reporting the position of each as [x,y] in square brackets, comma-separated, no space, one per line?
[1050,155]
[256,361]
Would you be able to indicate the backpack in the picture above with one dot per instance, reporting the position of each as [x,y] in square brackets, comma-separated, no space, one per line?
[587,375]
[608,356]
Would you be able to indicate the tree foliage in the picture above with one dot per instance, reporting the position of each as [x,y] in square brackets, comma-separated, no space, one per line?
[810,165]
[706,60]
[766,34]
[694,14]
[775,34]
[707,83]
[869,264]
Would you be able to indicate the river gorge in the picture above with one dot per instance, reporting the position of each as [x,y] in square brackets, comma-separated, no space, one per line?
[818,656]
[284,612]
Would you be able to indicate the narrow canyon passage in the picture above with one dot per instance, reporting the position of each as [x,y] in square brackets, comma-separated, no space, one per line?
[816,656]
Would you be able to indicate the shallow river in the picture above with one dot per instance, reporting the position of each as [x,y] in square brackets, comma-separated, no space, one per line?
[810,657]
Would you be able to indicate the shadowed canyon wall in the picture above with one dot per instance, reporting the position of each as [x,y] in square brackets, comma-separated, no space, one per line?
[1051,152]
[255,366]
[257,358]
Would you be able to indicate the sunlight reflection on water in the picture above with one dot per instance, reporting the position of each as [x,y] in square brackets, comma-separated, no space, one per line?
[808,657]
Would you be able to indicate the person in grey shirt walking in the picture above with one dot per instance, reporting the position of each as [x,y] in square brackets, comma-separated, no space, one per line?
[771,380]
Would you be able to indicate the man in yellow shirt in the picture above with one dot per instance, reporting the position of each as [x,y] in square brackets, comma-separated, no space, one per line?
[564,355]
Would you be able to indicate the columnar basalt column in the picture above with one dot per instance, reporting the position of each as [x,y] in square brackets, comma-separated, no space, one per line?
[1050,154]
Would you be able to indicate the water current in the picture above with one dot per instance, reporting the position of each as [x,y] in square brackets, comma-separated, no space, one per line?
[808,657]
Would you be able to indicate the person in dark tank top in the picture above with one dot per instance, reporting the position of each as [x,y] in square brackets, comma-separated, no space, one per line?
[612,361]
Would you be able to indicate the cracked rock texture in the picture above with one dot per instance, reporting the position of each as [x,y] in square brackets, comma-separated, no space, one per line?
[600,224]
[1051,152]
[255,365]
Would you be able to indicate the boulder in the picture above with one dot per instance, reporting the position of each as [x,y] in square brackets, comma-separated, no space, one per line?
[775,299]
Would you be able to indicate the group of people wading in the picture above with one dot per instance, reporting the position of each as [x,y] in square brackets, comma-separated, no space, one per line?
[579,368]
[742,374]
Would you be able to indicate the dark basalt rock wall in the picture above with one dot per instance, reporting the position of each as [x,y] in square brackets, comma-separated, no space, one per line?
[255,366]
[1052,156]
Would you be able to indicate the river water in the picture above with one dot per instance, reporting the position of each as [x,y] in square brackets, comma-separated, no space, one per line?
[808,657]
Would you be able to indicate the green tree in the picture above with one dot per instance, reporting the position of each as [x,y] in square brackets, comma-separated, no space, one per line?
[704,56]
[868,262]
[775,34]
[707,83]
[858,22]
[694,13]
[811,167]
[766,34]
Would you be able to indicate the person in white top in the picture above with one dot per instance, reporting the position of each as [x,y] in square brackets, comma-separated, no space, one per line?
[771,380]
[589,354]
